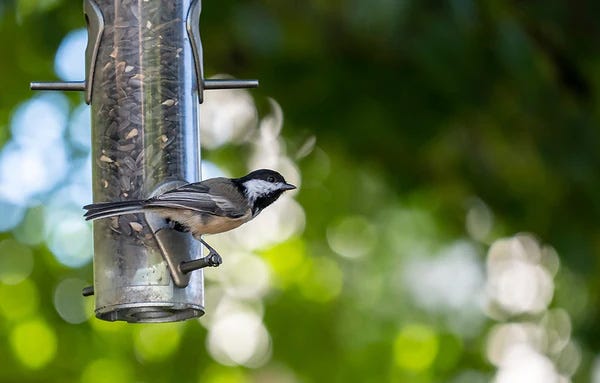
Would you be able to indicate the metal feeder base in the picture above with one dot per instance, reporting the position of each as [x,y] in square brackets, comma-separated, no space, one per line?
[141,313]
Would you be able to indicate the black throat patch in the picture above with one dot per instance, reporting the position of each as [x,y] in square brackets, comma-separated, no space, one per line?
[263,202]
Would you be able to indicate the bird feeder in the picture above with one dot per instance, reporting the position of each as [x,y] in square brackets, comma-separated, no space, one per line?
[144,82]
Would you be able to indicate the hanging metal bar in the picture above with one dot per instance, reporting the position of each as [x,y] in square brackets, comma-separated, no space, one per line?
[59,85]
[229,84]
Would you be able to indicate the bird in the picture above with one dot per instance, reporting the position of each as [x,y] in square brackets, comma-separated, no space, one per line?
[212,206]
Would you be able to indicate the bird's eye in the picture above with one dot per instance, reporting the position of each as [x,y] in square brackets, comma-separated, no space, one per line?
[270,179]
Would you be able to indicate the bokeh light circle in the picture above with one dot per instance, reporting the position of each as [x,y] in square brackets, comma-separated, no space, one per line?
[69,62]
[432,280]
[34,343]
[107,370]
[16,262]
[69,237]
[80,128]
[69,302]
[227,117]
[12,214]
[524,364]
[239,339]
[323,279]
[415,347]
[19,301]
[352,237]
[31,229]
[280,221]
[479,220]
[518,282]
[157,341]
[246,276]
[27,171]
[40,121]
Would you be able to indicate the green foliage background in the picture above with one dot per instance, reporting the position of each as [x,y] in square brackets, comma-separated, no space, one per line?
[415,105]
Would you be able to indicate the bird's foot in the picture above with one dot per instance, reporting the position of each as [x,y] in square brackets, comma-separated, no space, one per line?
[213,258]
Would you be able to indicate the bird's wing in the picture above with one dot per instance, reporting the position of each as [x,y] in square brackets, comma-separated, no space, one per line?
[216,196]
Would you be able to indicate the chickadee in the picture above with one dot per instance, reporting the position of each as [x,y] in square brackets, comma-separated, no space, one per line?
[212,206]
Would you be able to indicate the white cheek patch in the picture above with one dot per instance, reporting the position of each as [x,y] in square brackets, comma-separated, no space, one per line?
[260,188]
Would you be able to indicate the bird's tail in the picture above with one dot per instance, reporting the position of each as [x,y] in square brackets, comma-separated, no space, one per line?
[109,209]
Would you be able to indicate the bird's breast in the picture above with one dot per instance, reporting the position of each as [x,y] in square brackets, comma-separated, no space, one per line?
[199,223]
[215,224]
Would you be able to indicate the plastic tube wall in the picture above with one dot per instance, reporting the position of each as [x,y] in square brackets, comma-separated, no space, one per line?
[145,134]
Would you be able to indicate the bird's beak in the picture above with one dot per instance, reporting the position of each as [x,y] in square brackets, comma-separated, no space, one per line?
[288,187]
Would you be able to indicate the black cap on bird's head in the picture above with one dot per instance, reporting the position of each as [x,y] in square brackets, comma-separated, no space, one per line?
[262,187]
[265,175]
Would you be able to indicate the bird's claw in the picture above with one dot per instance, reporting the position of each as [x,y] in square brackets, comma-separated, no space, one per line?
[213,258]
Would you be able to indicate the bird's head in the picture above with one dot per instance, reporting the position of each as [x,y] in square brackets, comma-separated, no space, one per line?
[262,187]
